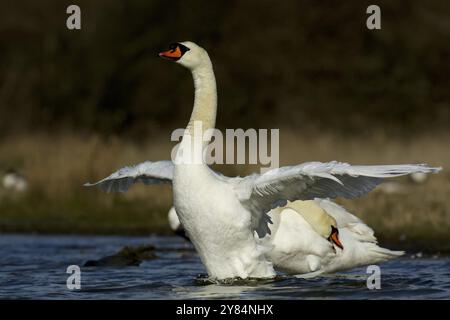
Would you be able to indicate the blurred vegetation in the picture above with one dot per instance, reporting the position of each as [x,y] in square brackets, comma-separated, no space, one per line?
[77,105]
[291,63]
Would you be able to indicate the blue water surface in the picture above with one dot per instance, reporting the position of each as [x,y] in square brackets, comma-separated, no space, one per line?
[34,267]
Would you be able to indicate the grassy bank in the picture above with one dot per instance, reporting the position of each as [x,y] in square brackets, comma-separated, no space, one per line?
[57,166]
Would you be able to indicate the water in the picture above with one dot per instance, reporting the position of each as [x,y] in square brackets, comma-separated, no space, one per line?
[34,267]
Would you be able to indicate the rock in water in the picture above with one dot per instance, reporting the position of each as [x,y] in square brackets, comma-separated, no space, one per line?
[127,256]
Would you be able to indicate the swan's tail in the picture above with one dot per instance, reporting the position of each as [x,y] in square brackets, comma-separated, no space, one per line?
[378,254]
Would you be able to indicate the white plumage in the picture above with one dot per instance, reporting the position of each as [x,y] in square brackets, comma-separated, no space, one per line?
[146,172]
[226,218]
[296,247]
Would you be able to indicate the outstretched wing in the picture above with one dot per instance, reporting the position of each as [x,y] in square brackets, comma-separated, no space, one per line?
[261,193]
[147,172]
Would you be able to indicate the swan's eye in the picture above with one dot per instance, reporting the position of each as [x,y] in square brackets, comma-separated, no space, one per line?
[183,48]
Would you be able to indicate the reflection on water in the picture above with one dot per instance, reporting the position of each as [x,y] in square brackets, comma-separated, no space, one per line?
[35,267]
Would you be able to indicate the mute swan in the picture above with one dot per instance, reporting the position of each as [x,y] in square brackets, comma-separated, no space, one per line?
[226,218]
[335,240]
[316,236]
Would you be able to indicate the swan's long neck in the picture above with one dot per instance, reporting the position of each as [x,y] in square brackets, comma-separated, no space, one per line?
[205,101]
[203,117]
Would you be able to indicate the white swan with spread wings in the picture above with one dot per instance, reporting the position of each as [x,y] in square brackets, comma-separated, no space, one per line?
[227,218]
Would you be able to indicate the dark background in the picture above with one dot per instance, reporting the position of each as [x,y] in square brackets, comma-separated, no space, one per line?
[301,64]
[76,105]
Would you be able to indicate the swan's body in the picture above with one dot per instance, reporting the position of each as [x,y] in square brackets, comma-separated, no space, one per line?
[299,249]
[226,218]
[217,224]
[298,244]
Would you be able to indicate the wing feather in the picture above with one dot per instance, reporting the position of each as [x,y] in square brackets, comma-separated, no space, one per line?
[147,172]
[261,193]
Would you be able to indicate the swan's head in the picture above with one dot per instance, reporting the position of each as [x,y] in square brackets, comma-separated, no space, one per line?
[186,53]
[321,222]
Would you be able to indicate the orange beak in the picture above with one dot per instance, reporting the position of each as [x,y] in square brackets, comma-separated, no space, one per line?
[173,54]
[334,238]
